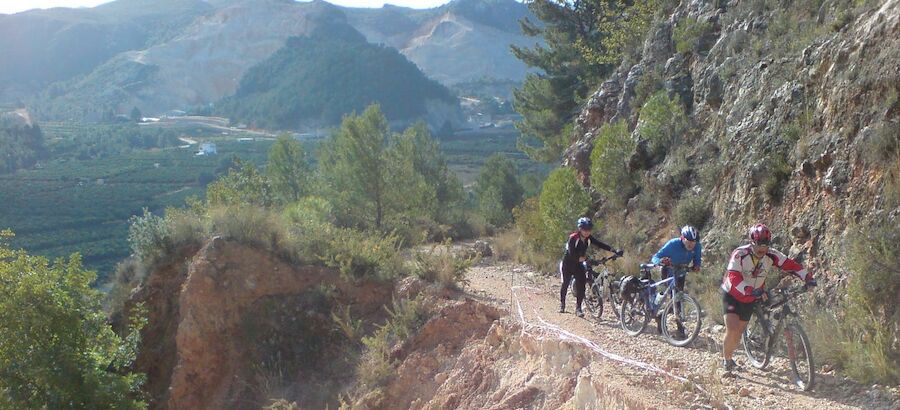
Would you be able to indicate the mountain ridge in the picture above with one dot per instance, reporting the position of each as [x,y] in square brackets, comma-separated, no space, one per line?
[189,53]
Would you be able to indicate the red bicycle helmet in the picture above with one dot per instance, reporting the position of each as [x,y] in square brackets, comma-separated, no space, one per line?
[760,234]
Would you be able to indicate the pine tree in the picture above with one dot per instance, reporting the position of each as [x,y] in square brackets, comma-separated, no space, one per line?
[288,169]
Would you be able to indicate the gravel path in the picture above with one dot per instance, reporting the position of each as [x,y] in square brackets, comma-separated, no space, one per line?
[502,283]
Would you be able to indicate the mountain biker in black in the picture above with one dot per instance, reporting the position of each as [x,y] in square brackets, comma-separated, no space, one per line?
[572,263]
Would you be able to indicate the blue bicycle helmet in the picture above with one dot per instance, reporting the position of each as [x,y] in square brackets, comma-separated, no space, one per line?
[690,233]
[585,223]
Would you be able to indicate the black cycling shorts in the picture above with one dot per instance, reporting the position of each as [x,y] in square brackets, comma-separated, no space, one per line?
[731,305]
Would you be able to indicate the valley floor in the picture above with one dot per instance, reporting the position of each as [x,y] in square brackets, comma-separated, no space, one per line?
[643,367]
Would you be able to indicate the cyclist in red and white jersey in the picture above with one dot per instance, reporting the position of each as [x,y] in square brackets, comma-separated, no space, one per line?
[745,282]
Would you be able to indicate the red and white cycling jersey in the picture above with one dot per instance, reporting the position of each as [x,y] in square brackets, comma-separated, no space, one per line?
[746,273]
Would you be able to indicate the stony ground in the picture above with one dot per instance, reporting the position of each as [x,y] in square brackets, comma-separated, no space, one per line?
[511,286]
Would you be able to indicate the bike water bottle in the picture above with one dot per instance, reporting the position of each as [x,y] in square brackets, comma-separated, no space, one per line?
[659,298]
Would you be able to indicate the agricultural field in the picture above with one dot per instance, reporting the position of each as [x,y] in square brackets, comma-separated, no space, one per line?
[71,205]
[466,153]
[83,206]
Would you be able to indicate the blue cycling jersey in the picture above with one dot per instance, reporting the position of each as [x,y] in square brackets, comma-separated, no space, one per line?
[675,250]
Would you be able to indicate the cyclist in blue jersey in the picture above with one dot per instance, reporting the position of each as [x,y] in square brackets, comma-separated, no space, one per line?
[682,251]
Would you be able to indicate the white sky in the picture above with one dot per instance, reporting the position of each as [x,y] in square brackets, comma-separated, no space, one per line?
[15,6]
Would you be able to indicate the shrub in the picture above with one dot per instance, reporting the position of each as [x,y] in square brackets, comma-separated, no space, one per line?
[443,266]
[562,202]
[357,255]
[56,346]
[375,367]
[861,337]
[311,211]
[687,34]
[245,186]
[250,225]
[650,82]
[692,210]
[148,235]
[538,247]
[609,163]
[777,172]
[662,122]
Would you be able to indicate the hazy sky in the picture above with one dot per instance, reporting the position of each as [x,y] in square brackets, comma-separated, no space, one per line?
[15,6]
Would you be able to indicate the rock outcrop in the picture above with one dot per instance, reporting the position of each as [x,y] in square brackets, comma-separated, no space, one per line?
[211,319]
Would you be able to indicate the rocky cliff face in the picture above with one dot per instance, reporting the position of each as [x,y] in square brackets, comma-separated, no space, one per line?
[821,100]
[228,323]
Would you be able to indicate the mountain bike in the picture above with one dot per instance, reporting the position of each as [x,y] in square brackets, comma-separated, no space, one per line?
[602,287]
[770,319]
[676,308]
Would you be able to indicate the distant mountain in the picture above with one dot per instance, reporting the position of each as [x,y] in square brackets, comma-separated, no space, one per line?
[462,41]
[315,80]
[160,55]
[199,66]
[42,46]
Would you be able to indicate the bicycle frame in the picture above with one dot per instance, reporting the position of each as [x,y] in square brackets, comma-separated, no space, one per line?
[780,310]
[649,291]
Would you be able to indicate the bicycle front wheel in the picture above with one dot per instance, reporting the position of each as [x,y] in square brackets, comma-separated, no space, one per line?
[756,342]
[633,315]
[800,356]
[681,321]
[615,299]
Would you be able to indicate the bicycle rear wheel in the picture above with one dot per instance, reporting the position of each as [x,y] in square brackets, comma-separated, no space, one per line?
[633,315]
[756,342]
[594,301]
[681,321]
[799,355]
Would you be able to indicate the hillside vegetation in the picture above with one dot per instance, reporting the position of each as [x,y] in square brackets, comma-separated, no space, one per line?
[316,80]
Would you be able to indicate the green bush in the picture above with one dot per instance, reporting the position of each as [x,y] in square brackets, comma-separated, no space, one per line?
[662,122]
[563,200]
[311,211]
[442,265]
[687,34]
[357,255]
[250,225]
[148,236]
[692,210]
[861,338]
[375,367]
[777,173]
[244,186]
[57,349]
[613,147]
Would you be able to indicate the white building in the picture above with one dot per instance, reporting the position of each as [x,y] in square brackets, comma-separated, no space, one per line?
[207,148]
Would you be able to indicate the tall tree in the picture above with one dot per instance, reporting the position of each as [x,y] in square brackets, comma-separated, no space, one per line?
[427,160]
[498,189]
[288,169]
[548,100]
[356,165]
[584,41]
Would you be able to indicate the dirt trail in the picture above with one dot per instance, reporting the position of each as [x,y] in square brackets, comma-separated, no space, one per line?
[512,286]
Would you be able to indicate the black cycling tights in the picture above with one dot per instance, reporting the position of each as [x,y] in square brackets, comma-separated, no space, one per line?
[580,281]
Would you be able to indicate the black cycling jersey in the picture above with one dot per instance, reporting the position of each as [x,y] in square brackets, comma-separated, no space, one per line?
[577,247]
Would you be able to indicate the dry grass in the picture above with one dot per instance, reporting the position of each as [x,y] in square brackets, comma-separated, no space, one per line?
[443,265]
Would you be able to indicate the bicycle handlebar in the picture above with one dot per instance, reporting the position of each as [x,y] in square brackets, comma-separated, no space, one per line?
[603,260]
